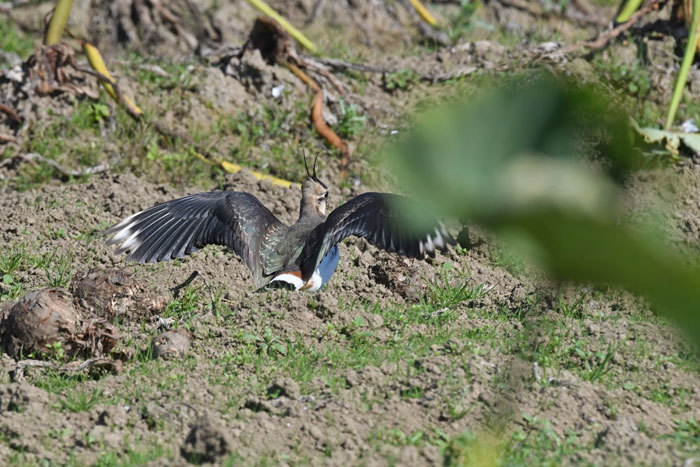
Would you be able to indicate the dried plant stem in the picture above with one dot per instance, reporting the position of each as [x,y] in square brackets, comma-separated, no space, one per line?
[317,118]
[209,159]
[603,39]
[294,32]
[98,64]
[303,76]
[114,366]
[328,133]
[424,13]
[32,157]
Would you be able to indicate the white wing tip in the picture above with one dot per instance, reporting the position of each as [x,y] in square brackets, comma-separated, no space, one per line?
[436,240]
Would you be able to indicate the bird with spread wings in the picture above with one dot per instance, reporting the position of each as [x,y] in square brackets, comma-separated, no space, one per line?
[302,256]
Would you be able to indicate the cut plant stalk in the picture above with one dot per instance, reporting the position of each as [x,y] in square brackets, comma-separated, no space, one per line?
[58,22]
[232,168]
[688,56]
[424,13]
[294,32]
[98,64]
[628,10]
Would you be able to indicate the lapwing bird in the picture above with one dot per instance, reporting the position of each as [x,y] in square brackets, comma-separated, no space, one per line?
[302,256]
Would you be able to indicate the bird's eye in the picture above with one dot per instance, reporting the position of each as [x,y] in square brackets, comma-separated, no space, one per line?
[324,196]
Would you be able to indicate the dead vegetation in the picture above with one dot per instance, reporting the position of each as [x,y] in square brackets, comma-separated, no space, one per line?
[64,326]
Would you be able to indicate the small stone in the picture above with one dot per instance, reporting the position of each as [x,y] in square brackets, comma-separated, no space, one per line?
[172,344]
[409,455]
[315,432]
[375,320]
[306,316]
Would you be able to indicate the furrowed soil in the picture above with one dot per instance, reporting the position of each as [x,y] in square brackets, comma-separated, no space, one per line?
[472,357]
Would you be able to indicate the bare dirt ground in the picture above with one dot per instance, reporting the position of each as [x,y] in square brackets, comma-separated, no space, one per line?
[472,357]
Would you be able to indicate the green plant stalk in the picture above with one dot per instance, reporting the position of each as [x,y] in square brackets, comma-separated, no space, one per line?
[685,65]
[424,13]
[294,32]
[628,10]
[58,22]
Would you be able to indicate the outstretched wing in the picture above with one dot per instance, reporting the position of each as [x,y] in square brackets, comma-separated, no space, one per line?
[374,216]
[179,227]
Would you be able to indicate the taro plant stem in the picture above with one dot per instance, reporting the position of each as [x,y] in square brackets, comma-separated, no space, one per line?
[58,22]
[685,65]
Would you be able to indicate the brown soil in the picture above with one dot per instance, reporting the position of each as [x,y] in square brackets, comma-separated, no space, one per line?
[360,373]
[354,422]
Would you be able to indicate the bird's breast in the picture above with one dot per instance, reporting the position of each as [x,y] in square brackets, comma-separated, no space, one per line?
[323,273]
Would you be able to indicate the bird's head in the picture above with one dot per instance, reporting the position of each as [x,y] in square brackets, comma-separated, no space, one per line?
[314,193]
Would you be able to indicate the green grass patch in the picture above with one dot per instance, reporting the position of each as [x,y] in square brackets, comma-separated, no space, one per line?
[81,401]
[13,40]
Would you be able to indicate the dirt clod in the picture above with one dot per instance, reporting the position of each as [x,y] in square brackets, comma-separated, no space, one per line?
[46,321]
[207,441]
[37,321]
[17,396]
[172,344]
[285,387]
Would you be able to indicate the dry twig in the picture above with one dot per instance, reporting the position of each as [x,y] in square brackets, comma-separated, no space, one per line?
[31,157]
[581,14]
[328,133]
[425,25]
[108,364]
[603,39]
[342,66]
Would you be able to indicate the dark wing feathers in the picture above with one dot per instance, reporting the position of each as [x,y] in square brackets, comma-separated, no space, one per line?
[182,226]
[375,217]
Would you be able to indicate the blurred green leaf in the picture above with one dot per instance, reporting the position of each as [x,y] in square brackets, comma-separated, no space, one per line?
[537,163]
[516,147]
[584,249]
